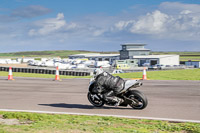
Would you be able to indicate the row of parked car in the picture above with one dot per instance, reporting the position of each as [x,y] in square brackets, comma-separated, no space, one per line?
[160,66]
[69,63]
[9,61]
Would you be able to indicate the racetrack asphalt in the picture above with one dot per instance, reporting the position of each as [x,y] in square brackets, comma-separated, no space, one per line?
[166,99]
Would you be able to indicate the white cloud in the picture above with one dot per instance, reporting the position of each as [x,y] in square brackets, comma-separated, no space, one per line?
[152,23]
[177,7]
[186,12]
[60,16]
[32,32]
[51,25]
[71,26]
[59,27]
[121,25]
[184,25]
[98,32]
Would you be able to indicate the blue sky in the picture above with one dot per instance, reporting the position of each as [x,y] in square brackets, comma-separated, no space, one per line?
[99,25]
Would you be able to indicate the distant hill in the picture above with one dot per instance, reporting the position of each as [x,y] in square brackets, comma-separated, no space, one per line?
[184,56]
[60,53]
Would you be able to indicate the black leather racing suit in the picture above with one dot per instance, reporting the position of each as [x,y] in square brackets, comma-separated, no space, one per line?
[111,85]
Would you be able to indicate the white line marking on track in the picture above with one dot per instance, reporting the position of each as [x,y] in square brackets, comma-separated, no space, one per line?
[120,116]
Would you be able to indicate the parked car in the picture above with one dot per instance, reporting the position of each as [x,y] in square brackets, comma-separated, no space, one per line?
[157,66]
[117,71]
[152,67]
[146,64]
[160,66]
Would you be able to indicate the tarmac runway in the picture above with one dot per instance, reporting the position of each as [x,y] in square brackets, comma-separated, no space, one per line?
[179,100]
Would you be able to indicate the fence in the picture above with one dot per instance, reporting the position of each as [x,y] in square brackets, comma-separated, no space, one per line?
[45,71]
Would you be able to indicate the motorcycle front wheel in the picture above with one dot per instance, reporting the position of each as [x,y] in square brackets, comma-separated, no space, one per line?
[95,100]
[138,98]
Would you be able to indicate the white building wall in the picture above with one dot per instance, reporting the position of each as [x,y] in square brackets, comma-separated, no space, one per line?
[170,60]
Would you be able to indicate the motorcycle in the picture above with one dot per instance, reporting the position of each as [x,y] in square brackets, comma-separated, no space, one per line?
[130,96]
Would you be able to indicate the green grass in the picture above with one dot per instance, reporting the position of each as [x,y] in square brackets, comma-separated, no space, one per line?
[192,58]
[77,124]
[178,53]
[184,74]
[184,56]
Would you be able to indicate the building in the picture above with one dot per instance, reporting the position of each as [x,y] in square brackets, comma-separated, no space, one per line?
[126,64]
[96,57]
[196,64]
[129,50]
[158,59]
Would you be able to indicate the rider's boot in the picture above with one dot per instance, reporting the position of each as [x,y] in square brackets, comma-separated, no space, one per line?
[118,101]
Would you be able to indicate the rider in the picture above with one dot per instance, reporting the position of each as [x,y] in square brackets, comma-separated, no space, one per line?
[112,85]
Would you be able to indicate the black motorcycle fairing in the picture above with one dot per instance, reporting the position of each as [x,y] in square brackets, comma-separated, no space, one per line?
[93,88]
[92,85]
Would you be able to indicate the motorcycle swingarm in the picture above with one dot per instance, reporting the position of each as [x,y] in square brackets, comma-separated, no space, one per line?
[128,100]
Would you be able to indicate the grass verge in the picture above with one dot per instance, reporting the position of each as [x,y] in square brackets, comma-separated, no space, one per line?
[184,74]
[77,124]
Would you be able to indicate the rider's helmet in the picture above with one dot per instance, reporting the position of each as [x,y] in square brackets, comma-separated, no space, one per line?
[97,71]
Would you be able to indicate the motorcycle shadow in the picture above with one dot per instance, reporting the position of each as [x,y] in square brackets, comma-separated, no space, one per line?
[81,106]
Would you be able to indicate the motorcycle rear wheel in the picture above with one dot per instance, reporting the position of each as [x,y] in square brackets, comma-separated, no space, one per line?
[138,98]
[94,101]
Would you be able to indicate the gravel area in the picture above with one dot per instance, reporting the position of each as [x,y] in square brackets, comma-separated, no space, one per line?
[9,121]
